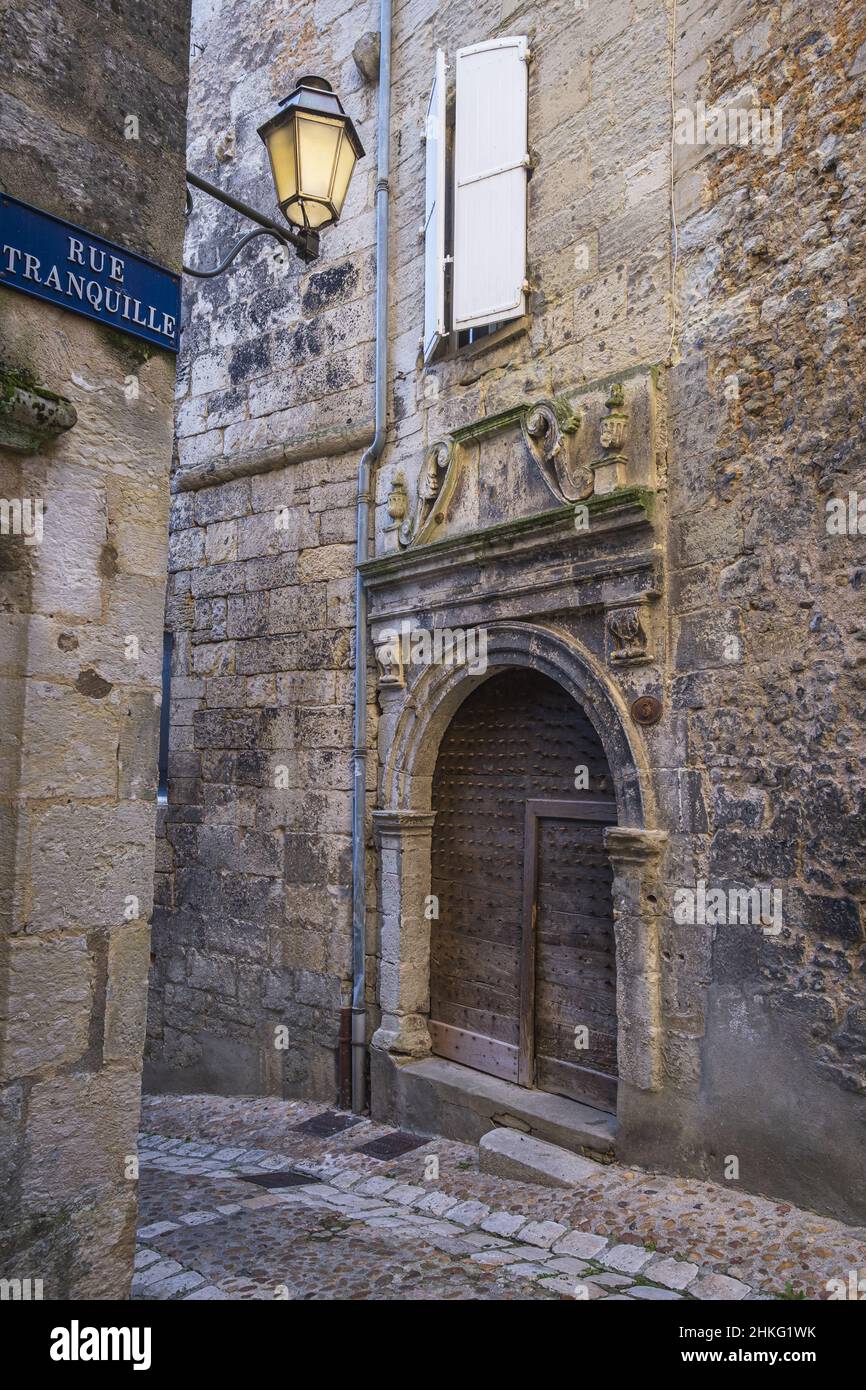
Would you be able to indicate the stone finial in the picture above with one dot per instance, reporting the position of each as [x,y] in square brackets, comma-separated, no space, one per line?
[398,498]
[397,507]
[610,469]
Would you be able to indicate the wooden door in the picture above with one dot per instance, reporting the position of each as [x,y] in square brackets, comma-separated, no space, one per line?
[568,987]
[517,739]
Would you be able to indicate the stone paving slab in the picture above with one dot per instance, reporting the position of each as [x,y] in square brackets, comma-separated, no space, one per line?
[627,1259]
[392,1229]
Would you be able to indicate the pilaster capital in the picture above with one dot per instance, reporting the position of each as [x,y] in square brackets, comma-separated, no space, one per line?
[401,826]
[627,845]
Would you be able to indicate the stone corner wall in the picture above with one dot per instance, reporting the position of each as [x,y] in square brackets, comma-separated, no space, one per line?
[80,644]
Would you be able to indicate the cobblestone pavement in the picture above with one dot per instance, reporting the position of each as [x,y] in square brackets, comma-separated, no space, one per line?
[372,1228]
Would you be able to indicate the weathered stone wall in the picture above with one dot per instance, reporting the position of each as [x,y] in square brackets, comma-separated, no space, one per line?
[79,717]
[252,924]
[598,213]
[768,1053]
[252,927]
[761,1074]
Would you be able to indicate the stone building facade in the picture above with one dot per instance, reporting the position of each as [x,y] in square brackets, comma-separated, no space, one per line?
[93,113]
[624,489]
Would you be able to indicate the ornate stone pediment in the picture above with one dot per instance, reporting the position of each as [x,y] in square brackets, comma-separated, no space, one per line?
[565,449]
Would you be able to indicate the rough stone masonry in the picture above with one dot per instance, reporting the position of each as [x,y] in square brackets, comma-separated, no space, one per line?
[252,924]
[737,339]
[93,112]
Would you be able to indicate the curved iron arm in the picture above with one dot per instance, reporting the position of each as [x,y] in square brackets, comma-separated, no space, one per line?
[306,243]
[218,270]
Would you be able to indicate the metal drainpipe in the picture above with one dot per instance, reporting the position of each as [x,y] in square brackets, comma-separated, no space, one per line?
[369,458]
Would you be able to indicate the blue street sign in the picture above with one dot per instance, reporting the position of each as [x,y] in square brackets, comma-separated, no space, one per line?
[57,261]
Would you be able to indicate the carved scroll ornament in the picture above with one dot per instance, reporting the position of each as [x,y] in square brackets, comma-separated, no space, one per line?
[550,430]
[435,489]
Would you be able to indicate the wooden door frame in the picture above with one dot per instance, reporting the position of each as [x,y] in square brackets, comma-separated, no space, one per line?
[577,808]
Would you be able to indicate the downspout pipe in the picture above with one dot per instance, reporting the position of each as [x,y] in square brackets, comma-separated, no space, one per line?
[365,478]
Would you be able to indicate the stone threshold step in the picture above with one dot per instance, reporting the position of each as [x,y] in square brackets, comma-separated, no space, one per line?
[460,1103]
[507,1153]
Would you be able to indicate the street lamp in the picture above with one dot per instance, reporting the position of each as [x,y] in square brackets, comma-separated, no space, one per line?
[313,148]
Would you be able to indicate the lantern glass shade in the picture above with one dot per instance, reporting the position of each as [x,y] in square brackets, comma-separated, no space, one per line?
[313,148]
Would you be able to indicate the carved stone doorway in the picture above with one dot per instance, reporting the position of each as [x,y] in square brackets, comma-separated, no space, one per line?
[523,959]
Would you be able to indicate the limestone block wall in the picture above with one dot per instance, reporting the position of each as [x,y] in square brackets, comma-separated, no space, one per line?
[275,402]
[274,352]
[252,925]
[79,704]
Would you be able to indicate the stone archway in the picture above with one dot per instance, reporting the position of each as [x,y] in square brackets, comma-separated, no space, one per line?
[403,827]
[436,692]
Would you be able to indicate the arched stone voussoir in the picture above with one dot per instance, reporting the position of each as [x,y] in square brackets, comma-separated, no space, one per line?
[436,692]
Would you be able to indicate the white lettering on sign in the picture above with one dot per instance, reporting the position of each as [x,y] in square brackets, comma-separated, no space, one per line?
[78,285]
[95,258]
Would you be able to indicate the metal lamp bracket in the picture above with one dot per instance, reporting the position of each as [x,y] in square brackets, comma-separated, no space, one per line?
[305,244]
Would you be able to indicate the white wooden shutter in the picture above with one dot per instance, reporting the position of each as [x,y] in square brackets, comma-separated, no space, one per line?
[434,215]
[490,170]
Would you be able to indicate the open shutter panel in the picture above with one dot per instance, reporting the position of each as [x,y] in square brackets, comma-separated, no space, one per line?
[434,216]
[490,169]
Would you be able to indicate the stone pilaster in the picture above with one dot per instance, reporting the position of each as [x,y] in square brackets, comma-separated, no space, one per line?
[635,858]
[404,839]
